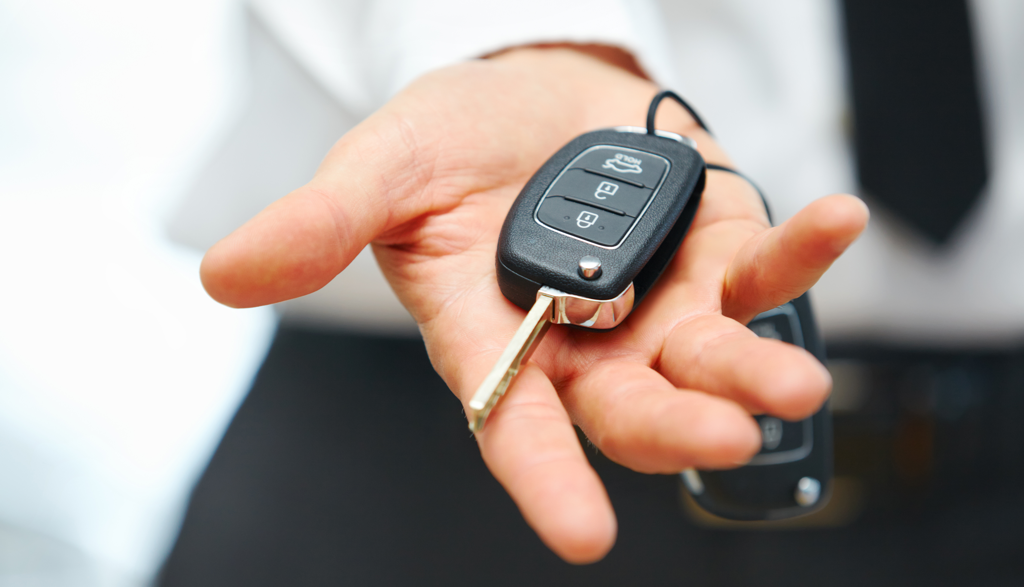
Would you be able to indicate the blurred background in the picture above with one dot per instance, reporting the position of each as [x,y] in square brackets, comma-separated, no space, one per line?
[149,435]
[117,373]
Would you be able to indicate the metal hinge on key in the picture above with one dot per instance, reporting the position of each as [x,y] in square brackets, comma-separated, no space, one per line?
[552,307]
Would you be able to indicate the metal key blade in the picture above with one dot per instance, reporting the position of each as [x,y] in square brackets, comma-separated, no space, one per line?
[518,351]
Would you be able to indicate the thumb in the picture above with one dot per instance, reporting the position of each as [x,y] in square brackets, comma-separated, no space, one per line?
[299,243]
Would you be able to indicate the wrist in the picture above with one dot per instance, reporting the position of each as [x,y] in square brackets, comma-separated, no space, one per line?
[608,54]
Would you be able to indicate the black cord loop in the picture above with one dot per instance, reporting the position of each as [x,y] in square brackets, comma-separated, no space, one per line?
[653,109]
[737,173]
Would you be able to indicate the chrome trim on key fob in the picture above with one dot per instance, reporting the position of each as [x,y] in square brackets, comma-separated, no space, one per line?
[588,313]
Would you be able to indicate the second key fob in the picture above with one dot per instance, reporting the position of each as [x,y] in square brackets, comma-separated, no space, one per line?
[601,219]
[792,473]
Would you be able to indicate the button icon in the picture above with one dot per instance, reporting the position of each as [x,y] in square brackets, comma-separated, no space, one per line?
[771,433]
[623,164]
[605,189]
[580,220]
[586,219]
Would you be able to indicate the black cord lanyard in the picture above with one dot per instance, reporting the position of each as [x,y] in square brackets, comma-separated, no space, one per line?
[653,110]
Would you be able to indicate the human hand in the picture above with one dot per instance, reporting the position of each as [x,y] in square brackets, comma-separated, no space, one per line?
[428,180]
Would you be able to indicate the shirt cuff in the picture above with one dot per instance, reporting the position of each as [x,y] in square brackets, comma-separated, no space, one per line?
[408,38]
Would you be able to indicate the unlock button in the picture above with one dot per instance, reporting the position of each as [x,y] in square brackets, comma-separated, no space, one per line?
[595,225]
[601,190]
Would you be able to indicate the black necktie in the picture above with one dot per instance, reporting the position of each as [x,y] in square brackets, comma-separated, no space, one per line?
[917,119]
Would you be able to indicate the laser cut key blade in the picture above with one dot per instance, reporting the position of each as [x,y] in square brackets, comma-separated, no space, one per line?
[518,351]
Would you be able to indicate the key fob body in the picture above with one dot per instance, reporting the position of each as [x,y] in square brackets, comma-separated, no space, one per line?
[620,198]
[792,473]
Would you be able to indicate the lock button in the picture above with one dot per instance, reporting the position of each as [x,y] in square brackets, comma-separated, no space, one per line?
[597,225]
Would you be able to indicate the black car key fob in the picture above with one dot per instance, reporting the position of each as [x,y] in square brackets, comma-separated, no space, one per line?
[792,473]
[599,222]
[588,236]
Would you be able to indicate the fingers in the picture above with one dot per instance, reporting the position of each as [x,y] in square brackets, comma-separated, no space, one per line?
[642,421]
[782,263]
[720,356]
[530,446]
[299,243]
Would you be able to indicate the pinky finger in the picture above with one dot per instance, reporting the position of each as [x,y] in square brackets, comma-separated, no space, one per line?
[783,262]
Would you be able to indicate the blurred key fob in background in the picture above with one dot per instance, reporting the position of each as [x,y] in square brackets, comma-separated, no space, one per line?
[792,473]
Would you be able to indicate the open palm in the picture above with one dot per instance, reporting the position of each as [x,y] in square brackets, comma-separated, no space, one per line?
[428,180]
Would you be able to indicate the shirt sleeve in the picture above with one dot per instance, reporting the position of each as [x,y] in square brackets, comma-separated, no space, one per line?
[364,52]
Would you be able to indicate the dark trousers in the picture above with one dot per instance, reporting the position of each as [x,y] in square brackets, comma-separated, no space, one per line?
[349,463]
